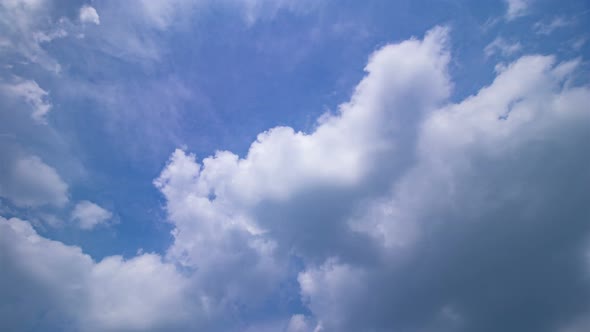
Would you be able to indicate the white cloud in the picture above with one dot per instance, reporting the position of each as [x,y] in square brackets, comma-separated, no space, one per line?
[137,294]
[502,47]
[337,150]
[161,14]
[547,28]
[28,181]
[25,26]
[578,43]
[88,215]
[60,288]
[134,29]
[376,260]
[219,208]
[32,93]
[299,323]
[489,169]
[517,8]
[89,15]
[254,10]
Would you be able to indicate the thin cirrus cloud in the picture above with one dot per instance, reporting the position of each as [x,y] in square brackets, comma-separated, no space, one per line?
[404,211]
[546,28]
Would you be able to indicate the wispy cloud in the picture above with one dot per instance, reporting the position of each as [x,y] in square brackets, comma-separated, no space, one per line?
[502,47]
[517,8]
[546,28]
[31,93]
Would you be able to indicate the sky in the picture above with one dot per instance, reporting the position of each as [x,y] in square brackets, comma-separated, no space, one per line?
[295,165]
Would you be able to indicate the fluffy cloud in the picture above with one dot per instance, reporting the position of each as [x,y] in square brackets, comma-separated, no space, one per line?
[57,287]
[411,212]
[401,211]
[89,15]
[88,215]
[28,181]
[290,182]
[495,208]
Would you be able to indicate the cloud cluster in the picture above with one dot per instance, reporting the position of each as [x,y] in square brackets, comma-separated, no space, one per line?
[401,211]
[51,286]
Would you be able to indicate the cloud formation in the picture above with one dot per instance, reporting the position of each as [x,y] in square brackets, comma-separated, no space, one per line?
[401,211]
[28,182]
[31,93]
[57,287]
[88,215]
[26,26]
[89,15]
[517,8]
[502,47]
[398,203]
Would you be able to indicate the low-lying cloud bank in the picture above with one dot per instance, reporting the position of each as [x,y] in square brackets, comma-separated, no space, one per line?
[402,211]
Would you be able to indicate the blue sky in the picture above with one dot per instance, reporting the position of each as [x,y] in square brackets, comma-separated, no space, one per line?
[294,165]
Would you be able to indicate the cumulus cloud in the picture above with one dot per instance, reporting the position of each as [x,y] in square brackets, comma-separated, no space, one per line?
[58,287]
[28,182]
[88,215]
[89,15]
[288,179]
[401,211]
[398,202]
[485,204]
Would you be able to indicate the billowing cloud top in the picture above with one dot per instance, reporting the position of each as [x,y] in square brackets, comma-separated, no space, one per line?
[403,210]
